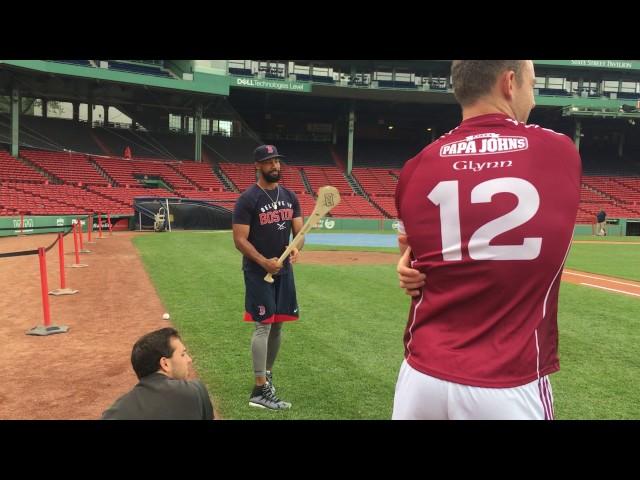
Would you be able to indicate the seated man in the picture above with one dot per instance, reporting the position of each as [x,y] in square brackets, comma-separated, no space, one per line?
[161,363]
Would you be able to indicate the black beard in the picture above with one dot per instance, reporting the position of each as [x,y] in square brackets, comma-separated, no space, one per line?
[271,177]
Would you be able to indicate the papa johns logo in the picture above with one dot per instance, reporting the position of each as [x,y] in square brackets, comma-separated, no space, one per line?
[484,144]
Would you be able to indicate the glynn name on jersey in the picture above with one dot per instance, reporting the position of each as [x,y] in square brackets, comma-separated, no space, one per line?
[484,144]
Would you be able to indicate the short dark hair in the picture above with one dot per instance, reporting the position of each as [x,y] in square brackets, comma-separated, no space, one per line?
[473,79]
[150,348]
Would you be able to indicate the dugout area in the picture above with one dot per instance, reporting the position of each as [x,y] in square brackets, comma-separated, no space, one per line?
[180,213]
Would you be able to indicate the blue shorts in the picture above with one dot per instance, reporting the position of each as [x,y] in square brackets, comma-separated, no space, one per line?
[270,302]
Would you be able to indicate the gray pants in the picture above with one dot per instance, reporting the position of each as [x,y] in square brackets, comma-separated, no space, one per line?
[265,343]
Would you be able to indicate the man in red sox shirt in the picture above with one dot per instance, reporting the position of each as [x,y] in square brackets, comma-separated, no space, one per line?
[264,217]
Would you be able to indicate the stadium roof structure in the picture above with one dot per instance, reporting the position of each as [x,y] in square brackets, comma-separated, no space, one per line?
[65,82]
[624,111]
[417,91]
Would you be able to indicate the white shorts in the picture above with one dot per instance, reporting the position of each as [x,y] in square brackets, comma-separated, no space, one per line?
[423,397]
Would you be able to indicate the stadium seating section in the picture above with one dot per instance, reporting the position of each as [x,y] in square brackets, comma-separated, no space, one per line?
[46,181]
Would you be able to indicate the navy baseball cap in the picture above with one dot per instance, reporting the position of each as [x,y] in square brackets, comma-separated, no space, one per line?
[266,152]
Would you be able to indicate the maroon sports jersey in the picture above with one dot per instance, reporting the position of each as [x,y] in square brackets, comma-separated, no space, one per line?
[489,210]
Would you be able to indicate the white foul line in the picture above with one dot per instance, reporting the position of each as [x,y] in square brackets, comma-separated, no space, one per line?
[601,278]
[611,289]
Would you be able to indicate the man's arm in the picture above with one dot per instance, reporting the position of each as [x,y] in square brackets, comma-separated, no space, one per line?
[241,241]
[296,226]
[410,278]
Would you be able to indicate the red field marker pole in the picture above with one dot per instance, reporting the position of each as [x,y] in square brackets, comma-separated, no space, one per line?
[63,284]
[75,245]
[109,223]
[63,290]
[45,286]
[90,228]
[82,249]
[47,329]
[80,233]
[75,242]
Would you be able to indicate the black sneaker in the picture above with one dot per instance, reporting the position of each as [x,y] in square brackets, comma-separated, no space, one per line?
[263,397]
[269,377]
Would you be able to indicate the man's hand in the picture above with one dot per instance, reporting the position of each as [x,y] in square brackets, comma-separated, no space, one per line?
[293,256]
[271,265]
[410,278]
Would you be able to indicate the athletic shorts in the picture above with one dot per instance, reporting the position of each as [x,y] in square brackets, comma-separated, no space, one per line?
[270,302]
[423,397]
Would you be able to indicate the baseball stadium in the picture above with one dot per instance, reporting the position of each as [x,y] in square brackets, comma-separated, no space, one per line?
[118,180]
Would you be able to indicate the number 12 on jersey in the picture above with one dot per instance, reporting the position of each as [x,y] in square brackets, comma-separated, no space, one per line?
[445,194]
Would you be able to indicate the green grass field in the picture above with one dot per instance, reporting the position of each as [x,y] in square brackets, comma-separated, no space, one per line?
[615,260]
[341,359]
[612,238]
[599,355]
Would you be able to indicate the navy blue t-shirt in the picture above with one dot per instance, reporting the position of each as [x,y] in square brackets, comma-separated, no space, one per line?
[270,228]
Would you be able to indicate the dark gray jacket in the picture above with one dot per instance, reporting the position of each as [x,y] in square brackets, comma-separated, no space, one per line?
[158,397]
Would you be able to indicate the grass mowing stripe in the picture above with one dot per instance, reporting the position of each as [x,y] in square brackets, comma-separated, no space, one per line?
[612,238]
[622,261]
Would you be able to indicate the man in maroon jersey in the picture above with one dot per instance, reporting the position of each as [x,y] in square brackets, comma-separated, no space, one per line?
[487,213]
